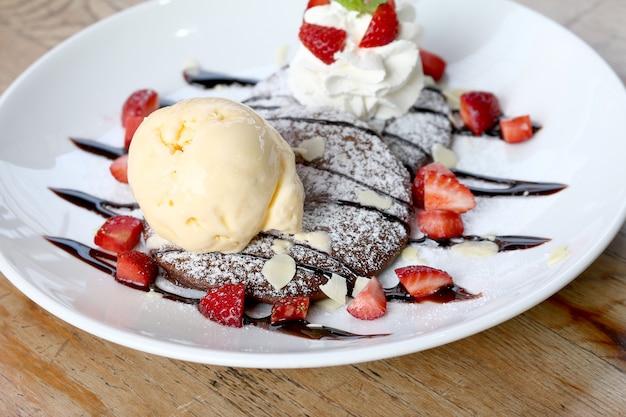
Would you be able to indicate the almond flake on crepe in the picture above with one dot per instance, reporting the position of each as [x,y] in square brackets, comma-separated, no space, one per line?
[279,270]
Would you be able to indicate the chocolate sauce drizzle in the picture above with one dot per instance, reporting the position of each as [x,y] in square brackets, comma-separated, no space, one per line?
[504,243]
[104,208]
[98,148]
[301,328]
[513,187]
[209,79]
[94,257]
[105,261]
[91,203]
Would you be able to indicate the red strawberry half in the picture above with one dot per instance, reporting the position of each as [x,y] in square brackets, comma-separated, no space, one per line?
[119,233]
[440,224]
[422,281]
[383,27]
[119,169]
[371,303]
[136,107]
[435,187]
[322,41]
[479,111]
[224,304]
[140,103]
[136,269]
[290,309]
[432,64]
[132,123]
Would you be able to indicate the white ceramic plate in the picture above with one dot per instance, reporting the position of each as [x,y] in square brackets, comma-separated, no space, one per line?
[534,65]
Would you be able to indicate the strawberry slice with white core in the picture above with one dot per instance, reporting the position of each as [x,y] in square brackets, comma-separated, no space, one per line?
[417,188]
[136,269]
[440,224]
[435,187]
[290,309]
[119,169]
[224,304]
[421,280]
[119,233]
[383,28]
[371,303]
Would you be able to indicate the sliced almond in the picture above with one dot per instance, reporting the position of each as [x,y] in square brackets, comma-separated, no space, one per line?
[336,288]
[444,155]
[279,270]
[371,198]
[311,149]
[282,246]
[318,239]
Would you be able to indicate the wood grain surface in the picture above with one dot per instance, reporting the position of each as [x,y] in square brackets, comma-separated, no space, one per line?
[565,357]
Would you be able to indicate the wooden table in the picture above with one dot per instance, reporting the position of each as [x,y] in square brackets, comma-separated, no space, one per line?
[566,356]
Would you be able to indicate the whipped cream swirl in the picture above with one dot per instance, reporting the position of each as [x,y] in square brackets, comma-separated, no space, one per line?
[379,82]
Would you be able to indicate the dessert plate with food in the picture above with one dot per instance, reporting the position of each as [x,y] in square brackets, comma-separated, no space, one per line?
[364,180]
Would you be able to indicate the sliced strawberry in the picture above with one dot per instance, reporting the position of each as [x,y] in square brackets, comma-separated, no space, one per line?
[132,123]
[517,129]
[371,303]
[435,187]
[313,3]
[383,27]
[224,304]
[432,64]
[119,233]
[421,280]
[140,104]
[119,168]
[440,224]
[136,269]
[480,111]
[290,309]
[417,188]
[322,41]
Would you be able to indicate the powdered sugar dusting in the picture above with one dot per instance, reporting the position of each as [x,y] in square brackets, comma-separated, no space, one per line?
[412,136]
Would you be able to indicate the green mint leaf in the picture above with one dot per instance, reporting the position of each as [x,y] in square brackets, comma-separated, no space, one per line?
[355,5]
[361,6]
[370,6]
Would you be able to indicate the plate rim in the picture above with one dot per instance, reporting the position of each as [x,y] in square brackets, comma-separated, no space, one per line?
[286,360]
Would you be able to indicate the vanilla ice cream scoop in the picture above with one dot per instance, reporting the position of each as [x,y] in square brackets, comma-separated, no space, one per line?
[209,174]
